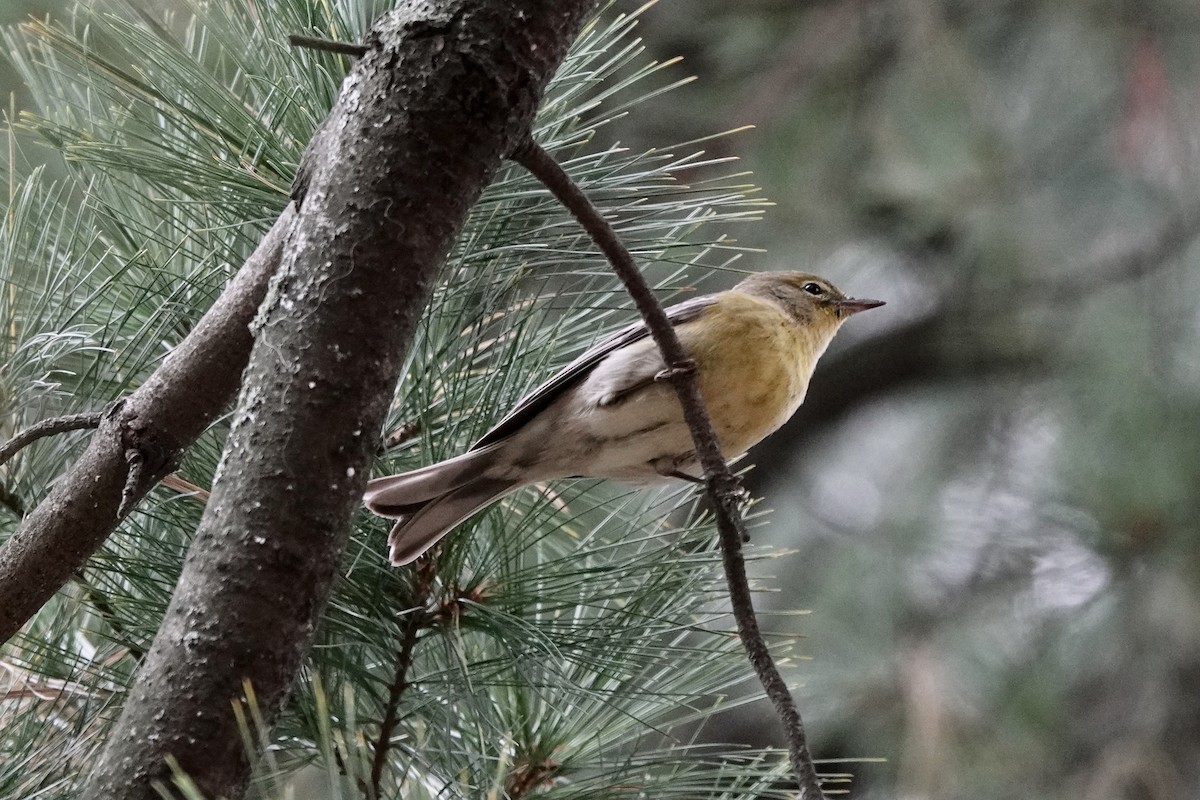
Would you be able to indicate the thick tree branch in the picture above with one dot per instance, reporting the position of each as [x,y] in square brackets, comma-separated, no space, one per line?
[723,487]
[419,128]
[162,417]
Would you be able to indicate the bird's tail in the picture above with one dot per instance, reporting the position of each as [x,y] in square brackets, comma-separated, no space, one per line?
[430,501]
[425,523]
[401,495]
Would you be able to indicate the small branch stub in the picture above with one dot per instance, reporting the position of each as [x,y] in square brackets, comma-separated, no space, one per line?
[133,479]
[328,45]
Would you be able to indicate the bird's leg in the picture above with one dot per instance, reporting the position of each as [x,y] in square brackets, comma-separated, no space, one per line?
[669,467]
[671,374]
[676,371]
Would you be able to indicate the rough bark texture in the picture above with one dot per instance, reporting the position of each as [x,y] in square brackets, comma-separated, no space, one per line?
[420,126]
[157,421]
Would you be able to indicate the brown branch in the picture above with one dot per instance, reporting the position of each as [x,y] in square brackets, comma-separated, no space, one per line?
[328,45]
[164,415]
[49,427]
[400,683]
[723,487]
[418,620]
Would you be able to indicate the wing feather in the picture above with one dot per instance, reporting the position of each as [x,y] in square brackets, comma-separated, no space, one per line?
[536,401]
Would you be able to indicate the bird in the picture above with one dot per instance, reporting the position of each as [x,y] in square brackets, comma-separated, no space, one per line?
[612,413]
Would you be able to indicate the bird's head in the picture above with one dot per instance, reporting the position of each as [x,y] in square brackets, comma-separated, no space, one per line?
[812,300]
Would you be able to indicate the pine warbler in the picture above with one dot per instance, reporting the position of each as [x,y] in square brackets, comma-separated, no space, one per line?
[610,414]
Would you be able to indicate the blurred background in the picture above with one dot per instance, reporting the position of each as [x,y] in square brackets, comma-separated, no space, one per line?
[992,490]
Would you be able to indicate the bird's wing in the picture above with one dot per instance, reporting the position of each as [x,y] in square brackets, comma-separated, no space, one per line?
[536,401]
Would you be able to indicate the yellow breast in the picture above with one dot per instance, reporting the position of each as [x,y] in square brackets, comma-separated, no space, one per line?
[755,363]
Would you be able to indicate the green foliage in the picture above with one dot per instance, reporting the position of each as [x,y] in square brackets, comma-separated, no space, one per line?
[566,643]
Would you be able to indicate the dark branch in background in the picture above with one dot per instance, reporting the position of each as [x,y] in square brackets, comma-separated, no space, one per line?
[11,501]
[99,601]
[723,488]
[419,128]
[328,45]
[931,348]
[49,427]
[1138,259]
[162,417]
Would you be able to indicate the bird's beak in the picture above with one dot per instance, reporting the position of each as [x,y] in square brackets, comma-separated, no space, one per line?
[852,305]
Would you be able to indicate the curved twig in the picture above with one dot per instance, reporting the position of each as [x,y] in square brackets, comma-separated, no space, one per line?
[723,487]
[49,427]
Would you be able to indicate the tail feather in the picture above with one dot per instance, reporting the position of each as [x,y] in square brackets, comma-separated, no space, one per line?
[401,495]
[427,522]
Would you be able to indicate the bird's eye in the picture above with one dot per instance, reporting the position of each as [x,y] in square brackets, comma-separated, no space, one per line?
[815,289]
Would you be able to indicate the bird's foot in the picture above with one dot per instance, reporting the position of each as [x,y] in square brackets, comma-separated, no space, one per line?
[676,371]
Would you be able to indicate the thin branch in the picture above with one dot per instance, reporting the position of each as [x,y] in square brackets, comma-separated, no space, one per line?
[328,45]
[723,487]
[49,427]
[418,620]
